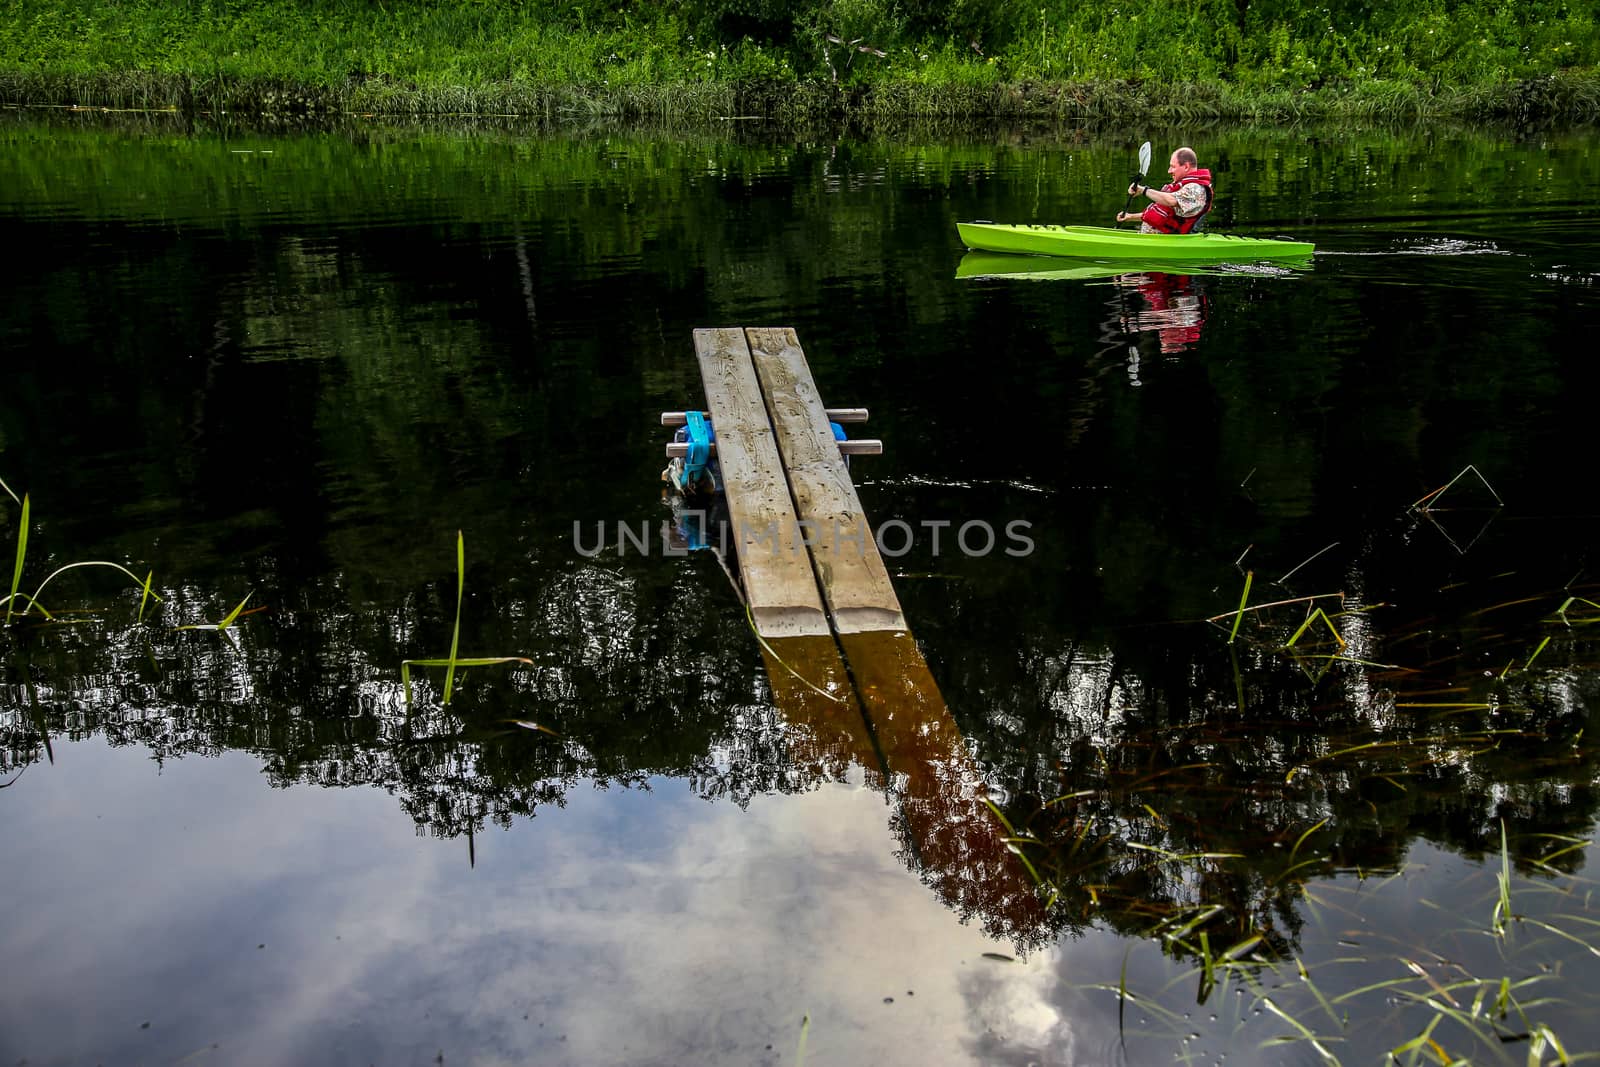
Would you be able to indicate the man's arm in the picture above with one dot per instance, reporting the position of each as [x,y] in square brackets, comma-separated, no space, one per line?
[1155,195]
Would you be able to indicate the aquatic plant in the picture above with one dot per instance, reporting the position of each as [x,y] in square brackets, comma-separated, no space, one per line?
[1432,498]
[1187,901]
[224,626]
[453,661]
[33,604]
[22,554]
[1240,840]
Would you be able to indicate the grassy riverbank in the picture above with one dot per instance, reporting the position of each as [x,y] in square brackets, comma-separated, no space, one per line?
[1268,60]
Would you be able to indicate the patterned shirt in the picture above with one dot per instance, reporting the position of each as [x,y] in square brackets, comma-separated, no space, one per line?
[1191,201]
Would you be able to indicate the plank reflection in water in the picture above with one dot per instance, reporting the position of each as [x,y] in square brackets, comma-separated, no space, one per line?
[826,733]
[894,725]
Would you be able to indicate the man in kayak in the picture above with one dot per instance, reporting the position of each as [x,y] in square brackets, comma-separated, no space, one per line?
[1179,206]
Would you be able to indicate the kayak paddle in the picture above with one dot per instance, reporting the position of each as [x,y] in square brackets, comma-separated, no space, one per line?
[1144,168]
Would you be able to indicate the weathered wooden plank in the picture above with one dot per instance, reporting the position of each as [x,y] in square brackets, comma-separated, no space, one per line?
[850,570]
[777,577]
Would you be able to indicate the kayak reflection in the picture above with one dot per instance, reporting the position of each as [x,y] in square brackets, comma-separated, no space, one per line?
[1166,299]
[976,265]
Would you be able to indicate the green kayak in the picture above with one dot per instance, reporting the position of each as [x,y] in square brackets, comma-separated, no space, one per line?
[1102,242]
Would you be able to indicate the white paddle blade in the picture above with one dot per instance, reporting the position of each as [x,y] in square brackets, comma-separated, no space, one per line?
[1144,158]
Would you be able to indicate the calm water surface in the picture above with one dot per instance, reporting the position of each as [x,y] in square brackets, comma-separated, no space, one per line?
[292,366]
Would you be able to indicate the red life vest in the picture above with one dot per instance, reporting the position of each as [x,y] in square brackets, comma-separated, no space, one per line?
[1164,219]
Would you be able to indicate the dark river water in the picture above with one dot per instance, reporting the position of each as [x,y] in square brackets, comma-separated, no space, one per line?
[280,371]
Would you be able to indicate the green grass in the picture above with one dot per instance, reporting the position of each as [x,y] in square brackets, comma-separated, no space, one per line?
[1169,61]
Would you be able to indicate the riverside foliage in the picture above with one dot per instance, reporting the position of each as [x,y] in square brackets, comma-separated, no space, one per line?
[1181,58]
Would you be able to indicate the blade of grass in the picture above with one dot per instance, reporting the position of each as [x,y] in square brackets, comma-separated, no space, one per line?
[762,641]
[1204,917]
[1441,490]
[1011,830]
[466,661]
[1387,983]
[93,563]
[1302,838]
[1327,1056]
[1561,612]
[1243,597]
[145,599]
[222,626]
[9,492]
[1016,850]
[22,552]
[528,724]
[1237,950]
[1313,556]
[1543,1035]
[1312,617]
[1561,933]
[1305,978]
[455,635]
[1122,996]
[1417,1042]
[1277,603]
[1502,907]
[32,603]
[234,614]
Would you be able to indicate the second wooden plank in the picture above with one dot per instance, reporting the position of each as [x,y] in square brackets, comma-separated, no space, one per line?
[850,569]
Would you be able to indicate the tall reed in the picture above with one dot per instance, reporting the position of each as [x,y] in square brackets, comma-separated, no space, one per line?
[454,661]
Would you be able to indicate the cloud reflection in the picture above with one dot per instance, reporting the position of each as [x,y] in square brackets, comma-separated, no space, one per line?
[635,927]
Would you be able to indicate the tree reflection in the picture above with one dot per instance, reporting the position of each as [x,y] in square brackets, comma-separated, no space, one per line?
[1144,779]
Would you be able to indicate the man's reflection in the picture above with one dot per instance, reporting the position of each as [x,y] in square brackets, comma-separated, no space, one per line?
[1172,306]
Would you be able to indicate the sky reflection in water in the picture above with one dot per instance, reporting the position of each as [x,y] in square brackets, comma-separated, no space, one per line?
[630,926]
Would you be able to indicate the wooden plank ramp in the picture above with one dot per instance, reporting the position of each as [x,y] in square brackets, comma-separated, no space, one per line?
[781,592]
[858,692]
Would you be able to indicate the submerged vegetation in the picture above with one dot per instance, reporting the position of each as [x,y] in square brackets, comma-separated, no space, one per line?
[1257,849]
[19,604]
[1168,60]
